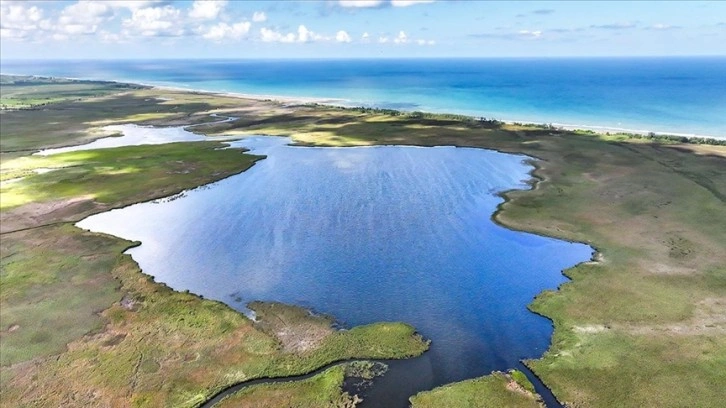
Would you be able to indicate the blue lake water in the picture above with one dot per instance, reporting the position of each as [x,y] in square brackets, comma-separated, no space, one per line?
[676,95]
[365,234]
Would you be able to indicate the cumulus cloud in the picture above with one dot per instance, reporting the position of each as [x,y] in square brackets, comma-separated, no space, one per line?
[113,21]
[406,3]
[402,38]
[145,18]
[342,36]
[380,3]
[223,31]
[360,3]
[109,37]
[130,4]
[270,35]
[530,34]
[303,35]
[207,9]
[83,17]
[155,22]
[18,21]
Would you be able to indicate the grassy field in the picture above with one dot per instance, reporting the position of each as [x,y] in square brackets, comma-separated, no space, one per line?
[322,391]
[643,326]
[21,92]
[493,391]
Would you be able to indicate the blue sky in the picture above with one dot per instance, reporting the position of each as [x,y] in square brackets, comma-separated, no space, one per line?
[370,28]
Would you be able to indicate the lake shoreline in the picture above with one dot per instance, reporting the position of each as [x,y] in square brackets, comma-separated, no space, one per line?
[526,163]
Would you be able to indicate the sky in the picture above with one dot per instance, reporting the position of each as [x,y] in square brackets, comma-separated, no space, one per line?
[148,29]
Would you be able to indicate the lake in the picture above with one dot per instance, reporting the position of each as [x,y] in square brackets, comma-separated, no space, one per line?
[366,234]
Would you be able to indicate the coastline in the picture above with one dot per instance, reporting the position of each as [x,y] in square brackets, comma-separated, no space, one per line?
[349,104]
[336,102]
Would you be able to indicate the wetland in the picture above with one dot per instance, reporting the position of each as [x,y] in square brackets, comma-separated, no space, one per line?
[388,233]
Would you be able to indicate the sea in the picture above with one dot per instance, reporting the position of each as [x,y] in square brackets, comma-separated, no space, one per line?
[682,96]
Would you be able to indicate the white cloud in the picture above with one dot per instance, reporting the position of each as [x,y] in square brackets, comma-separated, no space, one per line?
[342,36]
[360,3]
[303,34]
[259,17]
[402,38]
[155,22]
[269,35]
[365,37]
[380,3]
[18,21]
[83,17]
[222,31]
[207,9]
[59,36]
[530,34]
[130,4]
[663,27]
[406,3]
[109,37]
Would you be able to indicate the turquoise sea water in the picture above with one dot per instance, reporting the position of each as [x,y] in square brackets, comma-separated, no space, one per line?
[365,234]
[676,95]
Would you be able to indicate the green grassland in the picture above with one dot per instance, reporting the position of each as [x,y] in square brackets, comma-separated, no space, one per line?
[321,391]
[122,175]
[497,390]
[645,325]
[19,92]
